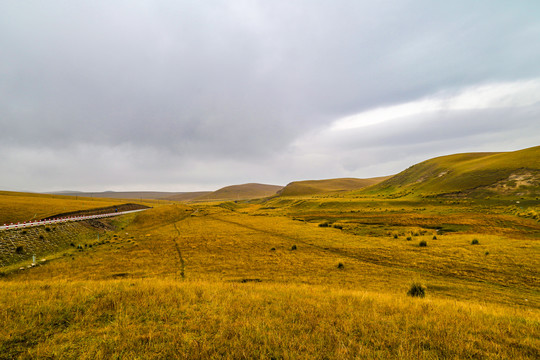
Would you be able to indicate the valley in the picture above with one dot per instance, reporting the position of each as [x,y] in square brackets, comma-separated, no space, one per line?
[313,275]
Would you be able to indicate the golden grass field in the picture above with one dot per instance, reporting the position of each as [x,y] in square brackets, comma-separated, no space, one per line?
[20,207]
[223,281]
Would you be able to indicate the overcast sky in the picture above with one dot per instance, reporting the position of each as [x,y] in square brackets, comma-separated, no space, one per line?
[196,95]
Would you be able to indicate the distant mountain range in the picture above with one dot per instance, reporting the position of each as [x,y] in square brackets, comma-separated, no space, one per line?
[146,195]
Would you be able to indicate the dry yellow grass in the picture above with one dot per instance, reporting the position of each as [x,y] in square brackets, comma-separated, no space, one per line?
[19,207]
[223,281]
[198,320]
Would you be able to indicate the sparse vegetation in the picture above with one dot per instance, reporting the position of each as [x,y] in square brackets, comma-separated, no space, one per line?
[416,290]
[199,281]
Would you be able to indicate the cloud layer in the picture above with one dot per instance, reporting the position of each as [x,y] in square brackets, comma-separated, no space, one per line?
[197,95]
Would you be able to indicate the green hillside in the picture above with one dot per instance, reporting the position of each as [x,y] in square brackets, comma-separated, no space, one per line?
[505,174]
[311,187]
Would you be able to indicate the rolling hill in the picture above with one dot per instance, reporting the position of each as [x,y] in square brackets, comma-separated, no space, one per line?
[311,187]
[504,174]
[241,192]
[187,196]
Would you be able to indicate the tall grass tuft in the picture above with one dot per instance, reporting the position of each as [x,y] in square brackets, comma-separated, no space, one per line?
[416,290]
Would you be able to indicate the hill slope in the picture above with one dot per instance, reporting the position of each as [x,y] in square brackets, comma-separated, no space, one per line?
[242,192]
[19,207]
[155,195]
[187,196]
[311,187]
[514,173]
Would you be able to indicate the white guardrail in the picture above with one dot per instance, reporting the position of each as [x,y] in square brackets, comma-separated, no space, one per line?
[31,223]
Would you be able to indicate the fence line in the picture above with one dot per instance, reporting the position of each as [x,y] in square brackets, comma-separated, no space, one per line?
[31,223]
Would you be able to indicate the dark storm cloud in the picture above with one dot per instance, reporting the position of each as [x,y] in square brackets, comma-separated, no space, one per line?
[173,85]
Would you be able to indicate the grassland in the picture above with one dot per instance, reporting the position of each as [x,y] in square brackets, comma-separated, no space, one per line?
[312,187]
[510,174]
[241,192]
[297,276]
[19,207]
[261,279]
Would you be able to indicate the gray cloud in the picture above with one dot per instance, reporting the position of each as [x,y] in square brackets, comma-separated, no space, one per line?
[221,89]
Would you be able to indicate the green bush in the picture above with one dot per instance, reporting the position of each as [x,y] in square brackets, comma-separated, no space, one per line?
[416,290]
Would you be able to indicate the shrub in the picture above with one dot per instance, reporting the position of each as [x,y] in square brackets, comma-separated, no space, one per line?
[475,242]
[293,247]
[395,236]
[416,290]
[337,226]
[41,237]
[19,250]
[409,238]
[72,244]
[340,266]
[487,252]
[422,243]
[47,229]
[24,232]
[434,237]
[273,249]
[324,224]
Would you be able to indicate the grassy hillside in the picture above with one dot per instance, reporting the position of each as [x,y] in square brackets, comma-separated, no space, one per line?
[19,207]
[311,187]
[508,174]
[188,196]
[241,192]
